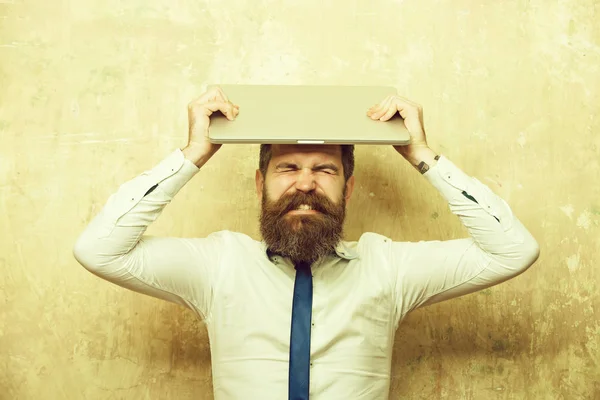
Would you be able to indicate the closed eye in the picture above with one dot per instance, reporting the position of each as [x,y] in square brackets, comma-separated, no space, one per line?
[330,169]
[327,171]
[327,168]
[286,167]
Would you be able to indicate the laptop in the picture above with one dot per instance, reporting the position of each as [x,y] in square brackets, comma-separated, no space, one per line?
[289,114]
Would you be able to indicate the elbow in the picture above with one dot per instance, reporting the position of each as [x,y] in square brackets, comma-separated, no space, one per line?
[84,254]
[518,258]
[529,252]
[532,253]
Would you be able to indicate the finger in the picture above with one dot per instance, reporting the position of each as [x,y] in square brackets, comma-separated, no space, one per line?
[373,107]
[405,108]
[225,108]
[371,110]
[211,95]
[389,114]
[217,96]
[379,105]
[223,95]
[376,108]
[213,92]
[383,109]
[230,112]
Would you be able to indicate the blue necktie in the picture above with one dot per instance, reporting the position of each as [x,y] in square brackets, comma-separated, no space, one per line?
[299,376]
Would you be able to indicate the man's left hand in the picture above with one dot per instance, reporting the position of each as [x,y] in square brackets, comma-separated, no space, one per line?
[412,113]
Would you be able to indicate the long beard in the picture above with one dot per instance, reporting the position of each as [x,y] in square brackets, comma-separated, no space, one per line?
[302,238]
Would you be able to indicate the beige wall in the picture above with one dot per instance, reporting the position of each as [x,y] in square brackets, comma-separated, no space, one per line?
[94,92]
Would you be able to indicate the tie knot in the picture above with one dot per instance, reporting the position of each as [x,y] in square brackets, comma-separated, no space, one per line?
[302,266]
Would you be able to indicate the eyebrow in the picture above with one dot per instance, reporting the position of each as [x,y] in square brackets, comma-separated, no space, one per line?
[318,167]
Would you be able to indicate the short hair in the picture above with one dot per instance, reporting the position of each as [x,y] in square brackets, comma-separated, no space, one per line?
[347,159]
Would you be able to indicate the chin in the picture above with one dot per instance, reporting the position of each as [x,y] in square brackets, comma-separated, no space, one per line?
[297,222]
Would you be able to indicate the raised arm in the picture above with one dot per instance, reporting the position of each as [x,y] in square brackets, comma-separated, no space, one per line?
[113,246]
[498,248]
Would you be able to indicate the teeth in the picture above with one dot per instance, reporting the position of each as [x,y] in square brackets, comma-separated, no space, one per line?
[304,207]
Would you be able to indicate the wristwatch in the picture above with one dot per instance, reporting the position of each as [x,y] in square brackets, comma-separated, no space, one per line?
[424,167]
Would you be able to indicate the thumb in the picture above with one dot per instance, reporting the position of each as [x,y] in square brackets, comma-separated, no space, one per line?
[225,108]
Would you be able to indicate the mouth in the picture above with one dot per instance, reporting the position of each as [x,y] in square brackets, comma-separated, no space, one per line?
[303,209]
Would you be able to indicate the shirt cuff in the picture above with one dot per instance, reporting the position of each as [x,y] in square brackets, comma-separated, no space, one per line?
[173,173]
[454,185]
[445,175]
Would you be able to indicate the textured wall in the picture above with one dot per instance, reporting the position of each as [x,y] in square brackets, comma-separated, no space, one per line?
[94,92]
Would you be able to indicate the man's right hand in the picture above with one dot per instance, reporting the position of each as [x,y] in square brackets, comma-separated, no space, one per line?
[199,149]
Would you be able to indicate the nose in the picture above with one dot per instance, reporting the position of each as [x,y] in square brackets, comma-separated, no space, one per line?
[306,180]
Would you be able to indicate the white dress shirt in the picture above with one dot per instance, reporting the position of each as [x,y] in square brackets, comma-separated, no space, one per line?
[244,293]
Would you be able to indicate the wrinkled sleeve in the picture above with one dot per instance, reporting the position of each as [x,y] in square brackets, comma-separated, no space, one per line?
[113,245]
[498,248]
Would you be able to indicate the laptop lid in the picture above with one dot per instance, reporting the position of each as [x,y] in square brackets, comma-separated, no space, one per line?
[288,114]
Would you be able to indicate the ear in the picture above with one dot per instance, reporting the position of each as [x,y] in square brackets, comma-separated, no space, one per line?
[349,188]
[260,182]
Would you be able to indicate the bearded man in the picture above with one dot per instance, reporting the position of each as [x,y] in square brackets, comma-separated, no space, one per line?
[302,313]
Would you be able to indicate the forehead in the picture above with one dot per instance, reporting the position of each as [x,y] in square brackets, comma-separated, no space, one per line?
[306,151]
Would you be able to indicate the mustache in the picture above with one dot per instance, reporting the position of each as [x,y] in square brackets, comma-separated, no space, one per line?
[312,199]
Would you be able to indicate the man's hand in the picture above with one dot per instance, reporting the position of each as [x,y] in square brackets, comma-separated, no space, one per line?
[199,148]
[417,151]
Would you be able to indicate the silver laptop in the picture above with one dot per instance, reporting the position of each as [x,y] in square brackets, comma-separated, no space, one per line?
[307,115]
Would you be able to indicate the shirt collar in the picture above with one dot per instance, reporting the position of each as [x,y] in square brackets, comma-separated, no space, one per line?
[342,250]
[346,252]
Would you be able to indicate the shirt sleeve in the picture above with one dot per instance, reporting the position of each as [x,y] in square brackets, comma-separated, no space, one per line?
[113,246]
[498,248]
